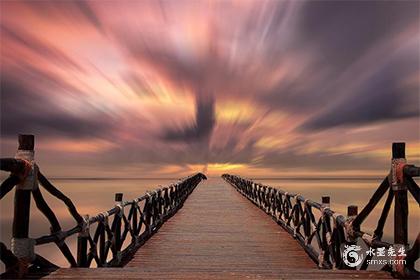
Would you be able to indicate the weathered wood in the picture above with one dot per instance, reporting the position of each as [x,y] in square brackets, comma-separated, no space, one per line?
[411,170]
[65,250]
[218,236]
[26,142]
[8,184]
[381,223]
[414,189]
[7,257]
[58,194]
[371,204]
[44,263]
[118,197]
[413,253]
[82,250]
[21,214]
[352,211]
[398,150]
[218,228]
[82,243]
[293,219]
[15,166]
[46,210]
[401,201]
[326,201]
[134,222]
[401,218]
[102,255]
[22,197]
[117,229]
[213,273]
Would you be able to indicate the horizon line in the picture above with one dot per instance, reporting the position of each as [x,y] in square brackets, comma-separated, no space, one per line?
[251,177]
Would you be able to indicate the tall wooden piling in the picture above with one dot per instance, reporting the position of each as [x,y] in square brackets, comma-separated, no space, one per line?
[22,246]
[400,191]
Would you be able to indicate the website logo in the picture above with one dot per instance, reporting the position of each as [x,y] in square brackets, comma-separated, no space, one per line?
[352,256]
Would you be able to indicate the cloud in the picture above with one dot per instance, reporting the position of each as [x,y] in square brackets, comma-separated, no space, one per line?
[43,49]
[353,61]
[317,161]
[23,110]
[90,14]
[341,32]
[75,11]
[201,128]
[202,84]
[381,93]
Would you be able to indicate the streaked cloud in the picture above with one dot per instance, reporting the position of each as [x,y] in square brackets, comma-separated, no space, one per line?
[258,87]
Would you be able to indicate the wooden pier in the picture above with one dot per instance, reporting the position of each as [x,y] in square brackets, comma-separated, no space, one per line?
[218,234]
[196,229]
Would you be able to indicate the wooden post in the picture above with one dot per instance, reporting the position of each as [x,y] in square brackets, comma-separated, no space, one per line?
[400,191]
[147,211]
[352,211]
[159,205]
[326,231]
[22,246]
[82,241]
[117,231]
[118,197]
[325,201]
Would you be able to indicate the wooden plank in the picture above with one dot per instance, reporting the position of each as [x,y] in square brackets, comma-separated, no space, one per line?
[133,273]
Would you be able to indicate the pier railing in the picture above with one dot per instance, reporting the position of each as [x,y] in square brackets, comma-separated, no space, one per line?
[101,238]
[323,233]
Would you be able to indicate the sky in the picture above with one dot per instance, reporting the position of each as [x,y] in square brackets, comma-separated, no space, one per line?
[168,88]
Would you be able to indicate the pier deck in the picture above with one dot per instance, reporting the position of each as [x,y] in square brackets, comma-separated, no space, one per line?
[218,234]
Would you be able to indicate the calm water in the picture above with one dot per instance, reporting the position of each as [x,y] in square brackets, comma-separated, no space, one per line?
[94,196]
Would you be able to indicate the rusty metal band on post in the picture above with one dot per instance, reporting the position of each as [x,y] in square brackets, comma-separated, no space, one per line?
[29,180]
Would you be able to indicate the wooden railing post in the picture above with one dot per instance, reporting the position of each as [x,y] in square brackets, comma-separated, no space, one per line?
[324,259]
[325,201]
[23,246]
[400,191]
[147,211]
[82,240]
[352,211]
[117,229]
